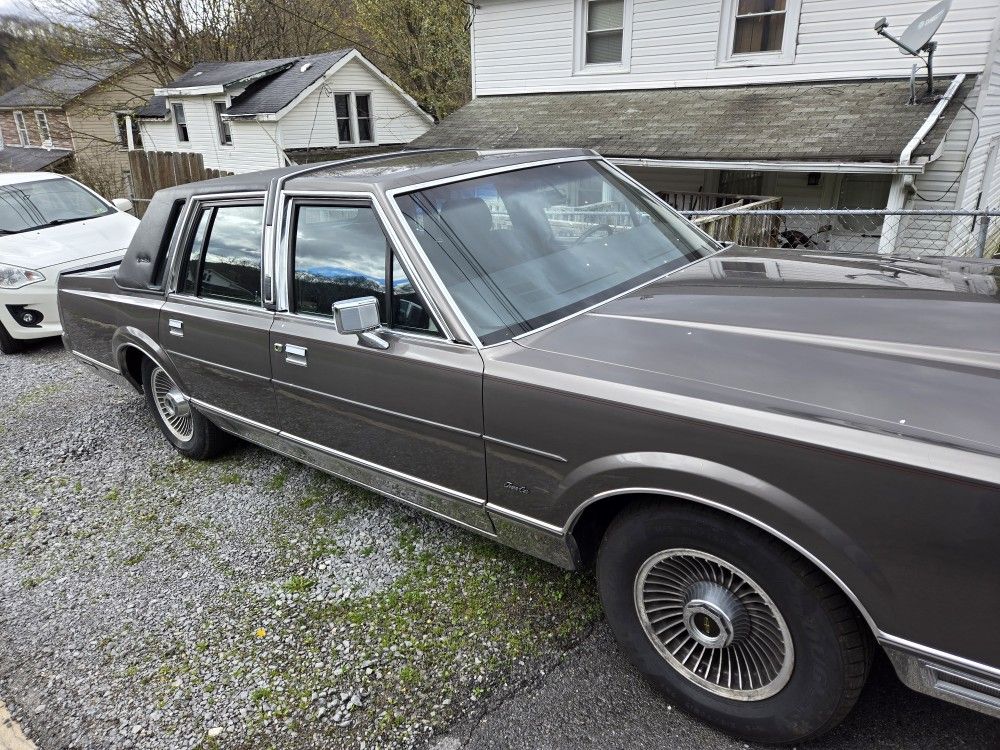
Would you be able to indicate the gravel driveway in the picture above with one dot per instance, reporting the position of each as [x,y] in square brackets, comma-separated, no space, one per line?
[154,602]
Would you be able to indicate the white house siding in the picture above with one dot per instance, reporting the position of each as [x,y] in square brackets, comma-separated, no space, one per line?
[255,144]
[312,122]
[526,46]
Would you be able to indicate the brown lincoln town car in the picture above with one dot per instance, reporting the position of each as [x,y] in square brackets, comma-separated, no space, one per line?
[777,460]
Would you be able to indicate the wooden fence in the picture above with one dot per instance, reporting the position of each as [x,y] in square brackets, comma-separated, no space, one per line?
[155,170]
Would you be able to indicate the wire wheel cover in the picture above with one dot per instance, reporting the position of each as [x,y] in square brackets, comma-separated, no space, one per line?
[172,405]
[713,624]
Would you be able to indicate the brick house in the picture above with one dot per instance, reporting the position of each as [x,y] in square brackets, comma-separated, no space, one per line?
[77,119]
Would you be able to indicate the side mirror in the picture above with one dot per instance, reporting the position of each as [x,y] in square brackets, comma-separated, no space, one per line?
[123,204]
[360,316]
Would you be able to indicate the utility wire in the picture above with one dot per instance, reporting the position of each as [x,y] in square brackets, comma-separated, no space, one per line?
[968,156]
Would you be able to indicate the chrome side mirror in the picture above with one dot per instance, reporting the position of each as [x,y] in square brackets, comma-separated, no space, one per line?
[123,204]
[360,316]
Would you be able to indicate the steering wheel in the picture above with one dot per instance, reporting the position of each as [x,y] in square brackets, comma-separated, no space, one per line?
[594,230]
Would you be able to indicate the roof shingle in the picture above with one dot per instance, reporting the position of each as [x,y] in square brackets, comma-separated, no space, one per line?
[64,83]
[850,121]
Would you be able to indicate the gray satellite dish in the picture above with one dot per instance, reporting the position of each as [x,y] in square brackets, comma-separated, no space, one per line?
[919,35]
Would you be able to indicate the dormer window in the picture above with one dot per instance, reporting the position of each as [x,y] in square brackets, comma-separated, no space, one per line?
[603,35]
[354,118]
[758,32]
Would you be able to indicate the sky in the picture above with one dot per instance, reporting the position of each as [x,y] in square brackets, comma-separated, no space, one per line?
[16,7]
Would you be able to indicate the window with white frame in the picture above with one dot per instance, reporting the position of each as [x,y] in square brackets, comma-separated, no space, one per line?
[180,122]
[225,133]
[355,119]
[758,32]
[603,36]
[43,126]
[127,128]
[22,128]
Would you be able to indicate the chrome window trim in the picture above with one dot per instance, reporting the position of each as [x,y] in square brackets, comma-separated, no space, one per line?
[187,220]
[283,257]
[211,302]
[422,338]
[391,195]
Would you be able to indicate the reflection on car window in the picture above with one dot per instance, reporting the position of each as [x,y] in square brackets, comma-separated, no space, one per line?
[224,255]
[522,248]
[409,313]
[339,254]
[35,205]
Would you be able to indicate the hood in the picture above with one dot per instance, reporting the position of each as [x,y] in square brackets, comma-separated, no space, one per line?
[906,346]
[79,240]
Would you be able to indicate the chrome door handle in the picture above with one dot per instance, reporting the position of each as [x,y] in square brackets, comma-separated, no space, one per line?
[176,327]
[296,355]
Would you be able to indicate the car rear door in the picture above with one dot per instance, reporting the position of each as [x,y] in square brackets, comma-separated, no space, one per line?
[213,325]
[406,420]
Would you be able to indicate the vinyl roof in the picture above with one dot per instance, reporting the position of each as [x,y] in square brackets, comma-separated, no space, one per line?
[849,121]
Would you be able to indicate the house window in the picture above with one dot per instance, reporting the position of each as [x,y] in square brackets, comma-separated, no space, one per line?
[43,126]
[225,134]
[603,32]
[758,32]
[181,123]
[127,128]
[355,119]
[22,128]
[363,110]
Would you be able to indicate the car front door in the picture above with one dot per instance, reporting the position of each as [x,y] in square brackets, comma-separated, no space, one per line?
[213,325]
[406,419]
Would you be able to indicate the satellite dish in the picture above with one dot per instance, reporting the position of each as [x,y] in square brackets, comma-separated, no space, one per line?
[921,31]
[918,37]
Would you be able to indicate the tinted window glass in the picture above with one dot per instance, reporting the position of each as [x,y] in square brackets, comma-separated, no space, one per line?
[225,255]
[409,313]
[189,272]
[340,253]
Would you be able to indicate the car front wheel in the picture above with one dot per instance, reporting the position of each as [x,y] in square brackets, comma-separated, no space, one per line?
[9,344]
[733,626]
[186,429]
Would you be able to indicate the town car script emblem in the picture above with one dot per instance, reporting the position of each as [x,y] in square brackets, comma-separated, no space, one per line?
[517,488]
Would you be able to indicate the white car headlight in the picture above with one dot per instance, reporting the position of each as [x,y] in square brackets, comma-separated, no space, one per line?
[12,277]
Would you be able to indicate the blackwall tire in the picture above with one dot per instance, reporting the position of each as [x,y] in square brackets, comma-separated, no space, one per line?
[8,344]
[674,577]
[193,435]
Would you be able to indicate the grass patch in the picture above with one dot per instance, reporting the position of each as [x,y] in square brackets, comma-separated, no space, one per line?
[298,584]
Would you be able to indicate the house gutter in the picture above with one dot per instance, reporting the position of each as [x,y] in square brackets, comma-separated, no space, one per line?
[904,180]
[841,167]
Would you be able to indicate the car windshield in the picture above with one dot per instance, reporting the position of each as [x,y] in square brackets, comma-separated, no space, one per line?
[520,249]
[44,203]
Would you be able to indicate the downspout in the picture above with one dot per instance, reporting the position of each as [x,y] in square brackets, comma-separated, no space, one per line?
[900,183]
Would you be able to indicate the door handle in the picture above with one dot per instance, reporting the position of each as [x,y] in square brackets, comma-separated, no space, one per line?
[176,327]
[296,355]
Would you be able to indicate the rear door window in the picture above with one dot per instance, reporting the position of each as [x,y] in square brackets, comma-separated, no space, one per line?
[223,259]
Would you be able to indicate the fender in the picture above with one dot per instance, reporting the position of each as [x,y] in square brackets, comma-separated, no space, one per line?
[131,337]
[801,526]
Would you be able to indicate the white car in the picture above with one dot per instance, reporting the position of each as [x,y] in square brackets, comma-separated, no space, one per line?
[50,224]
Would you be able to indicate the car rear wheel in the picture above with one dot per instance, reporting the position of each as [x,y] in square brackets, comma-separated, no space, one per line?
[186,429]
[8,344]
[733,626]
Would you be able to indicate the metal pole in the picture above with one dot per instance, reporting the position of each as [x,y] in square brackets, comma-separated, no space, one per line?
[984,233]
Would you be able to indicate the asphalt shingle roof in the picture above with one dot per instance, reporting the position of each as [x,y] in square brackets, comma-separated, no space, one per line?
[850,121]
[155,108]
[64,83]
[227,73]
[271,94]
[19,159]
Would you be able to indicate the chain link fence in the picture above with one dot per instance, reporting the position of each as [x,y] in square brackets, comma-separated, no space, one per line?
[970,234]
